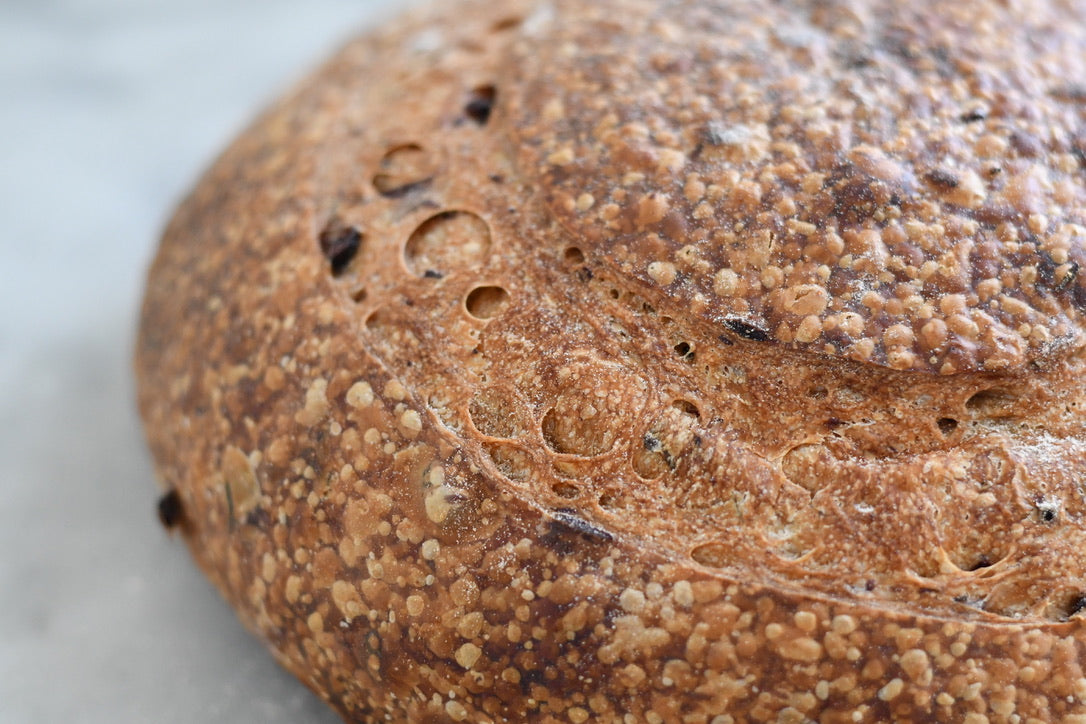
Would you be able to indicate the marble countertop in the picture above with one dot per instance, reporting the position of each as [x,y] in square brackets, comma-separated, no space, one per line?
[110,109]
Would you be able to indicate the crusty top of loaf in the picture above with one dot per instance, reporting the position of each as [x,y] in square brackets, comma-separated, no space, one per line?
[869,180]
[614,327]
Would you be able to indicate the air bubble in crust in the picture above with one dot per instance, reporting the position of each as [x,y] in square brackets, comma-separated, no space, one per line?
[991,403]
[714,555]
[1075,605]
[611,500]
[684,350]
[376,322]
[592,407]
[568,428]
[787,542]
[978,563]
[566,490]
[447,242]
[486,302]
[808,466]
[403,169]
[687,408]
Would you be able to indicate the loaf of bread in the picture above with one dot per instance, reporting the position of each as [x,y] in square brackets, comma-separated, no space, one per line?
[648,361]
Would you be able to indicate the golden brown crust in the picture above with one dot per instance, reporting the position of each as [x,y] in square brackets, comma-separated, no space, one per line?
[554,361]
[897,183]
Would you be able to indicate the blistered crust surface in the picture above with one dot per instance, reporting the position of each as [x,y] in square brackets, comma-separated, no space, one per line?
[897,183]
[456,458]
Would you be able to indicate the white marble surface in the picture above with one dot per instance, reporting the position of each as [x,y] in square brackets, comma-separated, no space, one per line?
[108,111]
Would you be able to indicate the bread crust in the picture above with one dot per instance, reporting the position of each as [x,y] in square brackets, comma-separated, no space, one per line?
[641,361]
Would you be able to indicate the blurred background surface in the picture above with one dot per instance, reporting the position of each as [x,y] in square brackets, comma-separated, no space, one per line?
[109,110]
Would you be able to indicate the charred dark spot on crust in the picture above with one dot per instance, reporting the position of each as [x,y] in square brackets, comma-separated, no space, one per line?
[852,196]
[480,104]
[942,178]
[339,243]
[746,330]
[432,274]
[567,520]
[1068,278]
[373,643]
[972,601]
[1046,271]
[170,511]
[650,443]
[259,518]
[233,523]
[1076,605]
[973,115]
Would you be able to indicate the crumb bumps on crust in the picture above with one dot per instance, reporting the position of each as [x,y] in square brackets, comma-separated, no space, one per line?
[685,361]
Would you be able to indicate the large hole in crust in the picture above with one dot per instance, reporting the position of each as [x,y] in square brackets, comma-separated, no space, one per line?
[486,302]
[403,169]
[568,428]
[448,241]
[593,407]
